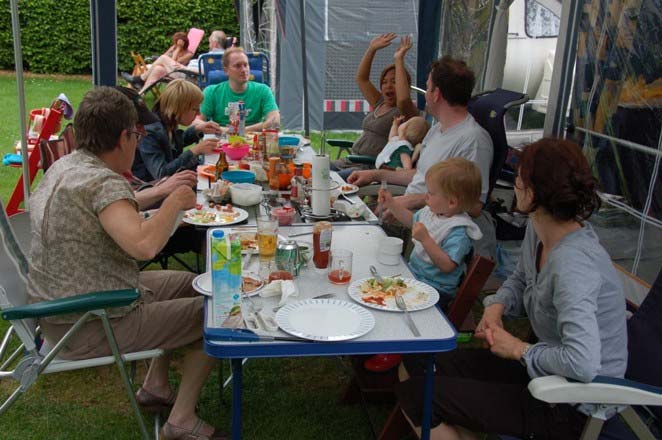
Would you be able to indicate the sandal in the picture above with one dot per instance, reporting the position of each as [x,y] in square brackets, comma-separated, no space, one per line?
[154,404]
[172,432]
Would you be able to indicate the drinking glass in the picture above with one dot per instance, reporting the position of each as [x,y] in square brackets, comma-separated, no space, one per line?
[267,236]
[340,266]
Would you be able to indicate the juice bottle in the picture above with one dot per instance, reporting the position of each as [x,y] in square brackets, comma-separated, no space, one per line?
[322,232]
[226,278]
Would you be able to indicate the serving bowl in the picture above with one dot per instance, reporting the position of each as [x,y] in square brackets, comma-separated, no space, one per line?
[236,153]
[245,194]
[238,176]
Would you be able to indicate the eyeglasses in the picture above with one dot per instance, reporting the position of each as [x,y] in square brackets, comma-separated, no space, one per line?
[138,134]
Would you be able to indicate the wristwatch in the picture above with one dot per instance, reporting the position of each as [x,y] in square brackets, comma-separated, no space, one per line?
[527,347]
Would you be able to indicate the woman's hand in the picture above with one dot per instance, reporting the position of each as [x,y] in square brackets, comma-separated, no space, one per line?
[491,319]
[171,51]
[503,344]
[208,127]
[405,45]
[183,197]
[205,146]
[382,41]
[187,178]
[419,232]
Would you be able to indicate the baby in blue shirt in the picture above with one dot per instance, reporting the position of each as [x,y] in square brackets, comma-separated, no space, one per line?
[442,231]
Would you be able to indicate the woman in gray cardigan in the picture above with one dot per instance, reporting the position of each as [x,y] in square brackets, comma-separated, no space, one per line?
[567,286]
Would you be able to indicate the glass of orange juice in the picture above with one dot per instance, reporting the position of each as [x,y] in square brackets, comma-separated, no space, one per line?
[340,266]
[267,236]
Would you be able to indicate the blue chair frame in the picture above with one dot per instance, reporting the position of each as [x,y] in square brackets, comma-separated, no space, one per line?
[210,66]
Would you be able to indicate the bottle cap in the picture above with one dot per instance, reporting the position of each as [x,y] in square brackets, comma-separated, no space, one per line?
[218,234]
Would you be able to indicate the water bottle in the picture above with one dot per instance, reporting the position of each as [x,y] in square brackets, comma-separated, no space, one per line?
[226,278]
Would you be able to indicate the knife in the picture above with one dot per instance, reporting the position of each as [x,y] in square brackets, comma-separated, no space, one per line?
[298,234]
[245,335]
[411,325]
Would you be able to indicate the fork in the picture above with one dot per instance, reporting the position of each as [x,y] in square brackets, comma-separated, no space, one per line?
[400,302]
[376,275]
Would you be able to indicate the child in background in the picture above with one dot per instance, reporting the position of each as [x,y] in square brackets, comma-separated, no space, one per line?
[442,230]
[404,136]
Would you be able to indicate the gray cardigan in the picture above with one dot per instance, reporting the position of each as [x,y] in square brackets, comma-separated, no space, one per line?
[576,306]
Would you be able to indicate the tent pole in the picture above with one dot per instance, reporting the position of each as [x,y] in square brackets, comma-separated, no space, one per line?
[564,64]
[304,67]
[18,62]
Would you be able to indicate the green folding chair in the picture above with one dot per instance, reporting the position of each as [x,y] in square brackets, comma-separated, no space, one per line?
[31,359]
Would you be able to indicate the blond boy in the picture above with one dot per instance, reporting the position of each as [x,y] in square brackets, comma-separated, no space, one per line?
[442,230]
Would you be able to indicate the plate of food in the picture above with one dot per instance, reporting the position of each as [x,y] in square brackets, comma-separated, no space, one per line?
[348,189]
[250,283]
[218,215]
[381,296]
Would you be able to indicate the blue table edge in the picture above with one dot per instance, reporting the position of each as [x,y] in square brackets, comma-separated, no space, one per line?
[216,348]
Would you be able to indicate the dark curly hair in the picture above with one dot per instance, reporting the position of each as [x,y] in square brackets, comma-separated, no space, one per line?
[454,79]
[559,176]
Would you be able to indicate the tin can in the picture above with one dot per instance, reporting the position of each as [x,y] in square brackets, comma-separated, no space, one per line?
[287,257]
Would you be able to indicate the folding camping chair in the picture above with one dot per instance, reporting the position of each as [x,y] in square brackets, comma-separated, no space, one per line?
[642,384]
[210,66]
[55,149]
[31,359]
[140,66]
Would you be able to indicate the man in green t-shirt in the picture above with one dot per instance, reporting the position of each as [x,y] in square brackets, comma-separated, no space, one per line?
[262,111]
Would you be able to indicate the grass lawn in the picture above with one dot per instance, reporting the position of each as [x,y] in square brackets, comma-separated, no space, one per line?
[294,398]
[40,91]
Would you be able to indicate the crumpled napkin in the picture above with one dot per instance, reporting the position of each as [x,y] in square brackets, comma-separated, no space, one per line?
[284,288]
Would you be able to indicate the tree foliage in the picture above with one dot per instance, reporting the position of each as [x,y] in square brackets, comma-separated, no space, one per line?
[55,34]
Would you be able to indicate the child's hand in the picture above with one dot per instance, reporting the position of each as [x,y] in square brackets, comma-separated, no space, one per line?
[397,120]
[419,232]
[385,198]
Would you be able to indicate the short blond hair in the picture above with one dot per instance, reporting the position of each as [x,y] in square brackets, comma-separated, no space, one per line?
[178,97]
[417,128]
[226,55]
[457,177]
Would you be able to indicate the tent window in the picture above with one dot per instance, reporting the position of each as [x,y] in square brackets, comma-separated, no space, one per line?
[540,21]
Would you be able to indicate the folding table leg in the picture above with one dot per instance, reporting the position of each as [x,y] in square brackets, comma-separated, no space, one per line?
[236,398]
[427,398]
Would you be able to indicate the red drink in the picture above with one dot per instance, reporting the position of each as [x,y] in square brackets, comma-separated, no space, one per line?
[340,276]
